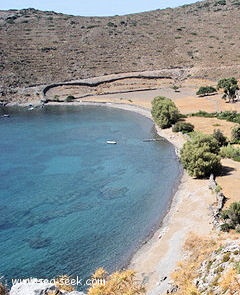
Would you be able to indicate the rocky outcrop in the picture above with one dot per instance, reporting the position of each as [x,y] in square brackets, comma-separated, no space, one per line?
[220,201]
[213,269]
[35,286]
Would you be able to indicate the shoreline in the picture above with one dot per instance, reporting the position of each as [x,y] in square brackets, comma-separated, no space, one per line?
[157,258]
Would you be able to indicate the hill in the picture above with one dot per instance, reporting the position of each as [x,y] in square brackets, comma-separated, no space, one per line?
[40,48]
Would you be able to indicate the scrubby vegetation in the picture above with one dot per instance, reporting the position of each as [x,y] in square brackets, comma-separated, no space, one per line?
[164,112]
[231,116]
[236,134]
[69,98]
[220,138]
[199,156]
[183,127]
[119,283]
[206,90]
[198,249]
[231,216]
[211,267]
[230,152]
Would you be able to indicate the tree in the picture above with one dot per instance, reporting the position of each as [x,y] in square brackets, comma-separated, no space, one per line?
[236,133]
[220,138]
[205,90]
[229,86]
[164,112]
[200,156]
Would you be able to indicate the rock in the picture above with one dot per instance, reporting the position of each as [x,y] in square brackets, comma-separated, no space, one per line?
[31,286]
[35,286]
[172,289]
[217,264]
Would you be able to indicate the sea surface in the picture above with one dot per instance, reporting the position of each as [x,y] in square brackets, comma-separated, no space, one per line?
[69,202]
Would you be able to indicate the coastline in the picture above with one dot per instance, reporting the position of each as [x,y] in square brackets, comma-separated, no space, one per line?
[157,258]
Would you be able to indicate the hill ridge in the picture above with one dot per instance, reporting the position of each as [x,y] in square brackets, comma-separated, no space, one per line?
[41,48]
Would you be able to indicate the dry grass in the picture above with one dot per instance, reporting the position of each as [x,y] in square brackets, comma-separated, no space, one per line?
[208,125]
[198,249]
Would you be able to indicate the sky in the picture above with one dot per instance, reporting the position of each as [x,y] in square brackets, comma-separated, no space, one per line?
[93,7]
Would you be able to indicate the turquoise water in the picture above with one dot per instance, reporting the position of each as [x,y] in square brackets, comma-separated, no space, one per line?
[69,202]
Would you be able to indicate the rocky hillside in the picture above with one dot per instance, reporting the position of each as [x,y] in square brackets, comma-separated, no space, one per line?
[47,47]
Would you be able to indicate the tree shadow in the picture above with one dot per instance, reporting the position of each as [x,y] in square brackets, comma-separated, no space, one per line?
[226,170]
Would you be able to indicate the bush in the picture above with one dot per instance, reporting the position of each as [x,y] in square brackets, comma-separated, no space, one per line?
[205,90]
[220,138]
[183,127]
[230,152]
[236,134]
[225,227]
[164,112]
[231,116]
[69,98]
[203,114]
[200,156]
[233,215]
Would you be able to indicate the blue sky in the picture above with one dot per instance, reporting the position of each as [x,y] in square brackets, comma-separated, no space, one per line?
[93,7]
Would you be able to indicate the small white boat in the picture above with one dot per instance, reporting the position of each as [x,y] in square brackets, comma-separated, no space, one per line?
[111,142]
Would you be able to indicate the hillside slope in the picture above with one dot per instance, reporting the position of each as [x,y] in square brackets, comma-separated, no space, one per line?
[47,47]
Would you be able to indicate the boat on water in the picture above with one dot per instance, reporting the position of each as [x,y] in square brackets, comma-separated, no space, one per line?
[5,116]
[111,142]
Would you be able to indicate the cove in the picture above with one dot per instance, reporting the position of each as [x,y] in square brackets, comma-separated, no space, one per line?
[69,202]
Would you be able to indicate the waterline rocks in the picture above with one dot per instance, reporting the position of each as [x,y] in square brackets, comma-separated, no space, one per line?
[38,287]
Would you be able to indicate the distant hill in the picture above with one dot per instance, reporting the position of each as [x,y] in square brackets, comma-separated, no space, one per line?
[47,47]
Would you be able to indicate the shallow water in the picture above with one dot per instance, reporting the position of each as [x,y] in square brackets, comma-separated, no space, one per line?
[69,202]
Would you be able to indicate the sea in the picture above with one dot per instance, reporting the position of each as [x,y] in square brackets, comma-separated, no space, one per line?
[71,203]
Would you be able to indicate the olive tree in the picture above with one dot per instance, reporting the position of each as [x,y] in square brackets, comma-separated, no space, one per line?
[230,87]
[199,156]
[164,112]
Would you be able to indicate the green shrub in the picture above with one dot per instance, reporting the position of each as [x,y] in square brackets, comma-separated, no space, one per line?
[231,116]
[203,114]
[230,152]
[200,156]
[183,127]
[236,134]
[225,227]
[69,98]
[234,213]
[220,138]
[164,112]
[205,90]
[220,2]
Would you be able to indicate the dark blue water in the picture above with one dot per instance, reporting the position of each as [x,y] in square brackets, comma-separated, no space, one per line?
[69,202]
